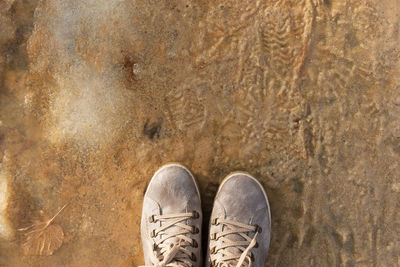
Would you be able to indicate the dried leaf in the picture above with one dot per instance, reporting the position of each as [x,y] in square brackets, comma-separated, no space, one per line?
[43,238]
[43,242]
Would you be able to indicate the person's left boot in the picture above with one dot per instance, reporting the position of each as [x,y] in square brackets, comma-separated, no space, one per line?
[171,219]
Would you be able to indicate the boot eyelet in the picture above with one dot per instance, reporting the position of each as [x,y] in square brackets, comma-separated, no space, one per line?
[153,234]
[152,219]
[212,250]
[193,257]
[252,257]
[194,244]
[256,245]
[195,215]
[195,230]
[214,221]
[154,247]
[213,236]
[258,228]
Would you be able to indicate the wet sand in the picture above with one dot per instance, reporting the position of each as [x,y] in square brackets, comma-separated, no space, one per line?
[96,95]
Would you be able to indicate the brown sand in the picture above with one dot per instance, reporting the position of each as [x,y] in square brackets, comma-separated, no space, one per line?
[303,94]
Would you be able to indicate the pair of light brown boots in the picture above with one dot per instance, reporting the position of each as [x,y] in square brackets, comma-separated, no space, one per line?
[239,232]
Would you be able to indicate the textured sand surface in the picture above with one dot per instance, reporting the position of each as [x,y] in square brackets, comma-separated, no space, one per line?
[95,95]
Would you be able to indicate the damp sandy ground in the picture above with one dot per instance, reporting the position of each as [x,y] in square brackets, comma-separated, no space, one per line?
[96,95]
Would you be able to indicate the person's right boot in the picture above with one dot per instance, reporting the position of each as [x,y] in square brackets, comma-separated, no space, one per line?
[240,223]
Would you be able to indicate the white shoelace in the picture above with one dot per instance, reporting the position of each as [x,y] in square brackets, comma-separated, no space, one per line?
[229,259]
[173,253]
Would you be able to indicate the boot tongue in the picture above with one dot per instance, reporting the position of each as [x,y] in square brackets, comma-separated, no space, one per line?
[232,213]
[174,209]
[234,238]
